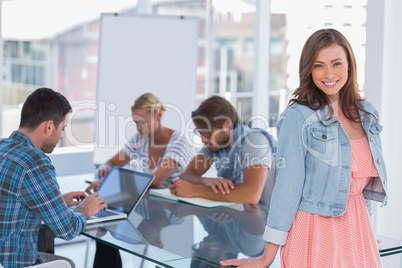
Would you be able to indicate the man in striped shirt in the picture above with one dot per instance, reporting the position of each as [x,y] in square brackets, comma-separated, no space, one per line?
[29,192]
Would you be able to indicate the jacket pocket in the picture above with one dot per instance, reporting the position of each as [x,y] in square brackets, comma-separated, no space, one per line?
[323,145]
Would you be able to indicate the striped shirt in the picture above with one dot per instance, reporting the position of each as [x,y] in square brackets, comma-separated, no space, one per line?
[178,149]
[29,194]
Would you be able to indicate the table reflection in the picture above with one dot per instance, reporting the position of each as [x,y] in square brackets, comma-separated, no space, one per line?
[230,230]
[207,236]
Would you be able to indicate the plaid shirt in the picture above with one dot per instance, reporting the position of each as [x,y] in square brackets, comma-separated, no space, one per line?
[29,194]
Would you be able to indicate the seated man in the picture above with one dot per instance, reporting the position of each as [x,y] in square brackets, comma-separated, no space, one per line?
[29,192]
[242,157]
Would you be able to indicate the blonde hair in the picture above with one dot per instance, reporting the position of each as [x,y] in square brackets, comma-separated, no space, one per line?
[150,103]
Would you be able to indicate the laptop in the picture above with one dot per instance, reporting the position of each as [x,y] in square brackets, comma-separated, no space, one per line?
[122,190]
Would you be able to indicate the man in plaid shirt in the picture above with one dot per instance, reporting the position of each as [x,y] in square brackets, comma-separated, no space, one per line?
[29,192]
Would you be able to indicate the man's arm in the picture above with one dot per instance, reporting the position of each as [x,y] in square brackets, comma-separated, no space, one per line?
[248,192]
[197,167]
[40,192]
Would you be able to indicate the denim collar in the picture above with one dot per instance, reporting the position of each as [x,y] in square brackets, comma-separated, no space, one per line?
[324,115]
[232,166]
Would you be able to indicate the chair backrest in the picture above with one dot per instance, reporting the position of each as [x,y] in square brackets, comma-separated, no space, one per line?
[53,264]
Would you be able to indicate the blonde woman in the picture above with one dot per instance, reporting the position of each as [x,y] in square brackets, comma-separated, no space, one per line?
[156,149]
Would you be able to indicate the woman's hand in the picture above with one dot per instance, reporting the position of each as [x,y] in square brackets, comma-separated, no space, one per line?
[246,263]
[104,170]
[265,261]
[93,186]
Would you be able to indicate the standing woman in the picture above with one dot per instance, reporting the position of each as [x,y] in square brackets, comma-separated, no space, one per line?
[329,161]
[156,149]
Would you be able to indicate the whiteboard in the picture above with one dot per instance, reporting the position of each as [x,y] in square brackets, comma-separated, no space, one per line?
[139,54]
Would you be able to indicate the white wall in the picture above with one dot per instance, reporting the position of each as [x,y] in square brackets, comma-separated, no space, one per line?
[72,161]
[383,87]
[261,75]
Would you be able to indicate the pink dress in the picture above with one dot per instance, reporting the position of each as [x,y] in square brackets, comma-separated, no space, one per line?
[344,241]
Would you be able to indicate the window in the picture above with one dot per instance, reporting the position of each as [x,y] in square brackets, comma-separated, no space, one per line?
[60,52]
[276,47]
[67,58]
[249,46]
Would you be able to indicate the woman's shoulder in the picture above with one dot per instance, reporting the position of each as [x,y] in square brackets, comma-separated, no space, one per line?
[368,106]
[136,142]
[136,137]
[178,138]
[180,147]
[302,110]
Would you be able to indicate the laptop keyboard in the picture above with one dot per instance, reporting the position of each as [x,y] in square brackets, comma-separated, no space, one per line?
[104,213]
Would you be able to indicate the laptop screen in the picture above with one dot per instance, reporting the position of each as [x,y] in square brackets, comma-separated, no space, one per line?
[122,188]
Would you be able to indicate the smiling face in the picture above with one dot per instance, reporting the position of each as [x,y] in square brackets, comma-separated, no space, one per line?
[330,71]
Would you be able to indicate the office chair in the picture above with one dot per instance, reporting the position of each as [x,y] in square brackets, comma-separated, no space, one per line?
[52,264]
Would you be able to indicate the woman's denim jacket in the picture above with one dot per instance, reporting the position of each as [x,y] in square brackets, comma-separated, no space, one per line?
[313,173]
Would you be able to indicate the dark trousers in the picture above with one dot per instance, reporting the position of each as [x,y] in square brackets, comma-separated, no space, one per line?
[106,256]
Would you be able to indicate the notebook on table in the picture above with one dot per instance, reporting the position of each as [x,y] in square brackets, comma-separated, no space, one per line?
[122,190]
[201,202]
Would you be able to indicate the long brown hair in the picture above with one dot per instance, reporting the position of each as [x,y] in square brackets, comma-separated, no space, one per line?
[309,94]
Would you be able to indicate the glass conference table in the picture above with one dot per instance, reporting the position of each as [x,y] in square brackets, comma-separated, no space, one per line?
[174,234]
